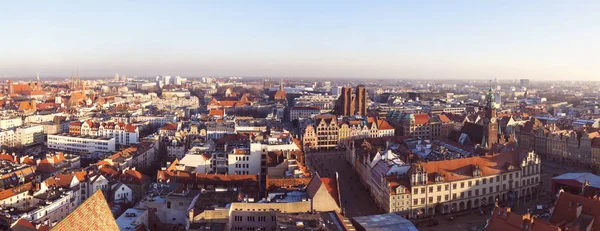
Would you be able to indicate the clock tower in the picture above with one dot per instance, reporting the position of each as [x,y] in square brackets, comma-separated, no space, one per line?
[490,123]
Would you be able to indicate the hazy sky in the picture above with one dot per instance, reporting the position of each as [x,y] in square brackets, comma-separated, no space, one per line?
[401,39]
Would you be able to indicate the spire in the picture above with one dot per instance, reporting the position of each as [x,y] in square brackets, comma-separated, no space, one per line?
[281,84]
[78,80]
[39,85]
[72,81]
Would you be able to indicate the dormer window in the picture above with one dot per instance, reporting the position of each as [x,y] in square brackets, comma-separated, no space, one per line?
[439,178]
[477,171]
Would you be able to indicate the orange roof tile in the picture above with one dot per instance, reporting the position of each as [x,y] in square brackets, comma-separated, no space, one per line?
[383,125]
[421,118]
[444,118]
[92,214]
[215,112]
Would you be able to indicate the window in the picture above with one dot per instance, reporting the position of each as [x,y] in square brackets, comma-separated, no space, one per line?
[439,188]
[504,187]
[446,197]
[462,195]
[416,191]
[491,180]
[422,200]
[470,183]
[238,218]
[430,189]
[476,192]
[491,189]
[504,177]
[462,184]
[454,196]
[430,199]
[477,182]
[422,190]
[439,198]
[483,181]
[497,188]
[446,187]
[483,191]
[498,178]
[510,176]
[469,193]
[517,175]
[415,201]
[168,204]
[454,186]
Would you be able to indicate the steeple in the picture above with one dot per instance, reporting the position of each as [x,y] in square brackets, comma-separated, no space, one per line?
[490,98]
[281,84]
[78,80]
[39,85]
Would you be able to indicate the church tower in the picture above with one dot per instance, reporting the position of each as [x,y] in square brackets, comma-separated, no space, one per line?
[490,123]
[39,85]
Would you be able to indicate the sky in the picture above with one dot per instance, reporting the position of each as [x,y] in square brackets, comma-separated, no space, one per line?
[545,40]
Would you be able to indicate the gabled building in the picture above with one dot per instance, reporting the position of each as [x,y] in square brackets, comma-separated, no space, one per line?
[324,194]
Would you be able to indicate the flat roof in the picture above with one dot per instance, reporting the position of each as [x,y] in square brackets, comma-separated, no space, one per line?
[127,220]
[385,222]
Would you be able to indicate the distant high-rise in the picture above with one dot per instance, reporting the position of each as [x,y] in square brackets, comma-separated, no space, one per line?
[360,105]
[116,77]
[524,82]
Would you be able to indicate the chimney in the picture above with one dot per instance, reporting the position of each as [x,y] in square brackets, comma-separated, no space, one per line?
[579,209]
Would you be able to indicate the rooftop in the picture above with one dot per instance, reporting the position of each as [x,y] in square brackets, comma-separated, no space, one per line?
[384,222]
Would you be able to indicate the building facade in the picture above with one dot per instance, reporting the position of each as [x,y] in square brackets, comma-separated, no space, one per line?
[81,144]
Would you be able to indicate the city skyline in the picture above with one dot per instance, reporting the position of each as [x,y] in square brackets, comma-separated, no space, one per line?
[548,40]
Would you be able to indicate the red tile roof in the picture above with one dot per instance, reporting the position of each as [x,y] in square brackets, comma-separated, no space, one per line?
[215,112]
[169,126]
[383,125]
[458,169]
[23,225]
[503,219]
[133,177]
[444,118]
[7,157]
[8,193]
[92,214]
[565,210]
[421,118]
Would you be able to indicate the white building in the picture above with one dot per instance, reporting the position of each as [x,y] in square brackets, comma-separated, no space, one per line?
[245,161]
[216,130]
[8,138]
[124,134]
[6,123]
[81,144]
[195,162]
[121,193]
[303,112]
[155,120]
[30,135]
[182,93]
